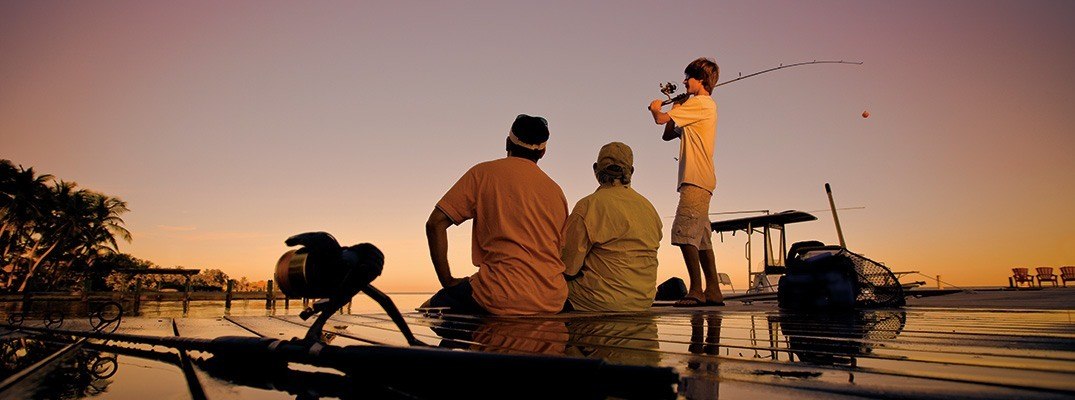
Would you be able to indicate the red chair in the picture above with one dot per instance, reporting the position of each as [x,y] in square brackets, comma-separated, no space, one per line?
[1046,274]
[1022,275]
[1067,274]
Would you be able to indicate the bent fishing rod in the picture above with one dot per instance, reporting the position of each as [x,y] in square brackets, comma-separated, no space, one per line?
[668,88]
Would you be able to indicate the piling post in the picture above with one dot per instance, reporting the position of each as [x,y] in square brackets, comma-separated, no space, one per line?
[86,285]
[227,295]
[938,281]
[186,296]
[25,303]
[138,297]
[268,295]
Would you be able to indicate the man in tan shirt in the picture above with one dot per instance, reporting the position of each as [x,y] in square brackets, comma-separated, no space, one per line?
[610,246]
[519,215]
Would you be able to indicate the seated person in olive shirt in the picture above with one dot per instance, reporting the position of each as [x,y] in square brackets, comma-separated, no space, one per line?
[519,215]
[610,246]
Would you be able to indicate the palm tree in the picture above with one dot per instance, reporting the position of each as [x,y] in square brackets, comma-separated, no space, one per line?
[104,224]
[50,228]
[84,226]
[23,194]
[95,234]
[67,215]
[24,200]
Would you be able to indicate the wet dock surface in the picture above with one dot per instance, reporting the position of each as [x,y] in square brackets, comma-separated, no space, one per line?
[741,351]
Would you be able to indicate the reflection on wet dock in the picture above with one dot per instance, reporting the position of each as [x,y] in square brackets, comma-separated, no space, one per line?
[887,353]
[729,353]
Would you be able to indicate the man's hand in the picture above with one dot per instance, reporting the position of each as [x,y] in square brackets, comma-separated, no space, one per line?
[655,106]
[437,235]
[450,281]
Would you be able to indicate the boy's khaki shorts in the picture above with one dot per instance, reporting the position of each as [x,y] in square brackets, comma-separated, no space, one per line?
[691,226]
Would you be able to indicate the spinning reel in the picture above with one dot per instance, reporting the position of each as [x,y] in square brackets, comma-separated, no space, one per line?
[669,88]
[322,269]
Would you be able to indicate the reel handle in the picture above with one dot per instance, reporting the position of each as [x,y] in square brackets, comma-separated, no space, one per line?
[678,99]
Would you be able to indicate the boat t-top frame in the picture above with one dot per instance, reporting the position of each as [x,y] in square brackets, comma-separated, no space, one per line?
[763,281]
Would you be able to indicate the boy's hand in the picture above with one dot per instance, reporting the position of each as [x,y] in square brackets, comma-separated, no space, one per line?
[655,106]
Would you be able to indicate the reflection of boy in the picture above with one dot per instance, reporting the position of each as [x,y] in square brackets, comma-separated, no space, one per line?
[694,122]
[519,215]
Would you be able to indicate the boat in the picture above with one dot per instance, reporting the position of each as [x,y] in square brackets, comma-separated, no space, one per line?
[770,226]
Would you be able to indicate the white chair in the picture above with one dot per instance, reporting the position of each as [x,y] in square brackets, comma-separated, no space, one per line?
[724,279]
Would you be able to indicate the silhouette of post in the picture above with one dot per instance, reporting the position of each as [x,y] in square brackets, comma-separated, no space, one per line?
[25,303]
[186,296]
[137,297]
[268,295]
[86,285]
[227,296]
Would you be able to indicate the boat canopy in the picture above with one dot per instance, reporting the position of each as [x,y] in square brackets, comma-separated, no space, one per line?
[766,279]
[780,219]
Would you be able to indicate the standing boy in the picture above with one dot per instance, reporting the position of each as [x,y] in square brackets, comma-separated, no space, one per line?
[694,122]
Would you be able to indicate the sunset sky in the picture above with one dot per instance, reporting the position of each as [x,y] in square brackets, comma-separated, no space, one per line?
[228,126]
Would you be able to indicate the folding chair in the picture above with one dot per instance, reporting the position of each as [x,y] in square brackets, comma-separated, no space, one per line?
[1022,275]
[1067,273]
[724,279]
[1046,274]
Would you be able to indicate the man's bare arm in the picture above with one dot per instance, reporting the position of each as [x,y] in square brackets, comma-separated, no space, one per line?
[437,236]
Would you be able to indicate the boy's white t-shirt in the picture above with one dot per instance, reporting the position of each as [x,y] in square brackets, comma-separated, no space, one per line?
[697,119]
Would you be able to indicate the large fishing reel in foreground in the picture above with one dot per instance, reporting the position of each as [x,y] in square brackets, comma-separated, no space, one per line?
[322,269]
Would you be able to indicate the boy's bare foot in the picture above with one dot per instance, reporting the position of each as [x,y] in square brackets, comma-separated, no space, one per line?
[691,300]
[713,297]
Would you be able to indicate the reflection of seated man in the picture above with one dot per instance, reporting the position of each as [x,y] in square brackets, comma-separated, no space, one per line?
[627,342]
[611,240]
[520,336]
[519,215]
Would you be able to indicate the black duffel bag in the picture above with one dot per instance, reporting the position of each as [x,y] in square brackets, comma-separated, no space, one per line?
[823,277]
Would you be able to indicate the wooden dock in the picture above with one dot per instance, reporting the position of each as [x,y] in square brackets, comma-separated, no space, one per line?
[961,347]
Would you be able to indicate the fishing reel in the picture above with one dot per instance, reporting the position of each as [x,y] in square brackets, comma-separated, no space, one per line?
[668,89]
[322,269]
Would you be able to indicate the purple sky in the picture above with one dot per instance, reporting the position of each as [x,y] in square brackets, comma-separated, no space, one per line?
[230,126]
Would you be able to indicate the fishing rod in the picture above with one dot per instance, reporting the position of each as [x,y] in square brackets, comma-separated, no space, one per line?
[668,88]
[782,66]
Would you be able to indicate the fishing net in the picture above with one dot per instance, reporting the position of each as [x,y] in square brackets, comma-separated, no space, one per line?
[823,277]
[877,286]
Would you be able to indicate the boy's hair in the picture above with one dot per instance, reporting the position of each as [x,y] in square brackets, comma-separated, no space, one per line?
[704,70]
